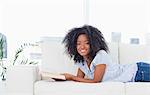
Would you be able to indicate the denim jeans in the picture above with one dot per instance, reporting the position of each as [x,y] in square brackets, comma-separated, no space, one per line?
[143,73]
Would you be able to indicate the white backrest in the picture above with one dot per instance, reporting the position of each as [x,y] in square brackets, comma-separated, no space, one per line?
[113,49]
[54,58]
[131,53]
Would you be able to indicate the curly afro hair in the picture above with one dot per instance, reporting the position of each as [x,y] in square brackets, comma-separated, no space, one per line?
[95,37]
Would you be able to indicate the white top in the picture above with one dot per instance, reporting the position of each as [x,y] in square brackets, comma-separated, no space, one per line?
[113,72]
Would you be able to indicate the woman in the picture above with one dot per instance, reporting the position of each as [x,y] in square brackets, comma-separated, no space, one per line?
[87,46]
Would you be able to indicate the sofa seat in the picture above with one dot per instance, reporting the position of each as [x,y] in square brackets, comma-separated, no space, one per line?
[78,88]
[137,88]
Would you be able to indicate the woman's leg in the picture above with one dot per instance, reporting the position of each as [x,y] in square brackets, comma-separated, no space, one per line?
[143,73]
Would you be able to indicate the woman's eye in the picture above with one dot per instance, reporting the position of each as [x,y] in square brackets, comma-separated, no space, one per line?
[78,43]
[87,42]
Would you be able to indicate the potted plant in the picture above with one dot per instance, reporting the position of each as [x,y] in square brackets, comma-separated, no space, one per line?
[2,55]
[22,60]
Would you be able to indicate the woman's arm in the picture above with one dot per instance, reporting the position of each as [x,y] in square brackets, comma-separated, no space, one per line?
[98,75]
[80,73]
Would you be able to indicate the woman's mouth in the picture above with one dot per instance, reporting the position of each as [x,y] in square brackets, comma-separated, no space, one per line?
[82,51]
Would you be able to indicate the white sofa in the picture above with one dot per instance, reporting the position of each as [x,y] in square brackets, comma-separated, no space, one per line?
[25,80]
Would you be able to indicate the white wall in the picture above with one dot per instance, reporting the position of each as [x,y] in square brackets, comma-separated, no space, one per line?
[130,17]
[28,20]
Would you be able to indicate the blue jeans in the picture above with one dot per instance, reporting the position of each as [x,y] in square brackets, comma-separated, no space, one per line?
[143,73]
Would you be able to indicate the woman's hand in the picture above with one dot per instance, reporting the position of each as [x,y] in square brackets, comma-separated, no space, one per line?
[68,76]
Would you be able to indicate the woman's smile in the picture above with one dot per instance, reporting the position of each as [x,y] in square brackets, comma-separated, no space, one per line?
[83,46]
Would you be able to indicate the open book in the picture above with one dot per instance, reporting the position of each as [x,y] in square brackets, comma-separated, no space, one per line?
[56,77]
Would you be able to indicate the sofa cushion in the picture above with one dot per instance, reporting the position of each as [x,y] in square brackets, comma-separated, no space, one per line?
[137,88]
[113,48]
[20,79]
[54,58]
[131,53]
[78,88]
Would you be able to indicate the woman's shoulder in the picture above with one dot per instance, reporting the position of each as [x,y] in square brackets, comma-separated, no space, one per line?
[101,52]
[80,64]
[102,57]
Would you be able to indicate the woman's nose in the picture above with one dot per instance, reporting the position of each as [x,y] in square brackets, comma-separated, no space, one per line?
[82,46]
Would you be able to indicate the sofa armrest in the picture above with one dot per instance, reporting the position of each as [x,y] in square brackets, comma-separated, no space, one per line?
[20,79]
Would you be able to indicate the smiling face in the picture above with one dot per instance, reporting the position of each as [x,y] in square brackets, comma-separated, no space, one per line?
[83,46]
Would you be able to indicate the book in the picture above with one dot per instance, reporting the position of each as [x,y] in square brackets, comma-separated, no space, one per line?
[55,76]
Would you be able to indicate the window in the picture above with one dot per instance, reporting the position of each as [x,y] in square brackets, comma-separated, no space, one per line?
[129,17]
[26,21]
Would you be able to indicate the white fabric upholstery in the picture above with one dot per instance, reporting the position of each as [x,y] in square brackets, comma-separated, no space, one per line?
[77,88]
[20,80]
[138,88]
[113,48]
[54,58]
[130,53]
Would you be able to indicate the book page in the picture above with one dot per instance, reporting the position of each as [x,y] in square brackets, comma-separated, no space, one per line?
[48,75]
